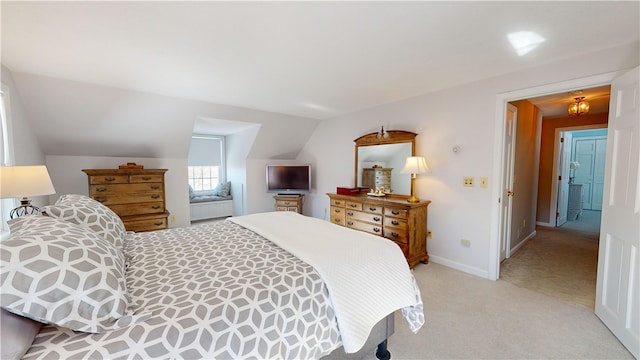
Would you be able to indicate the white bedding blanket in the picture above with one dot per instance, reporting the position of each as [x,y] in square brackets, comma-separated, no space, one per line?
[367,276]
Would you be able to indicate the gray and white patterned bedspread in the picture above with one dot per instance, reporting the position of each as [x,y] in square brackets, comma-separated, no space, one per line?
[216,291]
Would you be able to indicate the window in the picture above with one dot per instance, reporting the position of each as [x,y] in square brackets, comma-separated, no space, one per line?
[6,154]
[203,178]
[206,162]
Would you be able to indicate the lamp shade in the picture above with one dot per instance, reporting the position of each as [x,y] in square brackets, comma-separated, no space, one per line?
[415,165]
[25,181]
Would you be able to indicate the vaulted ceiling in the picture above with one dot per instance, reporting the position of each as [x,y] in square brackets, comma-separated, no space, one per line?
[311,59]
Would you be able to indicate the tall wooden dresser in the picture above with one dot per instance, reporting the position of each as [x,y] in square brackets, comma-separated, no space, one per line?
[136,195]
[396,219]
[376,178]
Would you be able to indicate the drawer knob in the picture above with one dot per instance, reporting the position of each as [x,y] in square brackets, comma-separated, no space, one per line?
[155,187]
[155,207]
[336,202]
[375,218]
[101,189]
[110,179]
[349,223]
[100,199]
[395,234]
[395,212]
[155,196]
[372,209]
[353,205]
[336,219]
[158,223]
[337,211]
[375,229]
[395,222]
[350,213]
[146,178]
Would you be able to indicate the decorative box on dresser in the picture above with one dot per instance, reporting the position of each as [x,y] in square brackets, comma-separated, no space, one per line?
[136,195]
[396,219]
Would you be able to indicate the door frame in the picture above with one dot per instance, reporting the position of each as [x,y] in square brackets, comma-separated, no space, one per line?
[553,207]
[498,151]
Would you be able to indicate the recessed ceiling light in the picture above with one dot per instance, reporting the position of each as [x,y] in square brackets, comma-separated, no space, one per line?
[525,41]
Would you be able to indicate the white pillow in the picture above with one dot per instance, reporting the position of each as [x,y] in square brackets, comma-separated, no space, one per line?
[85,211]
[54,271]
[18,333]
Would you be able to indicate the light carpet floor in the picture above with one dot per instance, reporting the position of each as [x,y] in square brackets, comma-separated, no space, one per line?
[559,262]
[468,317]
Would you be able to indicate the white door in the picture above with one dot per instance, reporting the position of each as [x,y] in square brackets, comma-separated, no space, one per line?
[563,179]
[617,294]
[590,152]
[508,163]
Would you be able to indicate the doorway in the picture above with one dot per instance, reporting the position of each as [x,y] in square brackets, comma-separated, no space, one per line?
[501,108]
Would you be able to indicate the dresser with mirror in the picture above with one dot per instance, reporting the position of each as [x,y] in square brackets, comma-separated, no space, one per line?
[386,213]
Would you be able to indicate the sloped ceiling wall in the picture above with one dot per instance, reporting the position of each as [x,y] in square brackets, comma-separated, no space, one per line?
[80,119]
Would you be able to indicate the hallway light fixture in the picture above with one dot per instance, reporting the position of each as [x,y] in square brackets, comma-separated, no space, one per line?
[578,107]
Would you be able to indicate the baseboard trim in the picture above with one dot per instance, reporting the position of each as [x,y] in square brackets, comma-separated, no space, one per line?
[460,267]
[545,224]
[521,243]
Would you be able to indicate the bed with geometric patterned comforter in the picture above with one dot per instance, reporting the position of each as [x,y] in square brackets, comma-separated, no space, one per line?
[211,291]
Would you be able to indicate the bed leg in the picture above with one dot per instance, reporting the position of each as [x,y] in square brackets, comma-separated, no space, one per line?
[382,353]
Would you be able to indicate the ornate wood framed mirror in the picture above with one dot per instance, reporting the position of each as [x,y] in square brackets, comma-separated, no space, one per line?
[380,156]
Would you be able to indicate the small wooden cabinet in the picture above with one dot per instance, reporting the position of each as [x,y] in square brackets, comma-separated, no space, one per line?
[395,219]
[136,195]
[289,203]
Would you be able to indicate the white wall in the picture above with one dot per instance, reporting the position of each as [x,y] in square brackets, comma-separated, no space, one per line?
[68,178]
[464,116]
[27,150]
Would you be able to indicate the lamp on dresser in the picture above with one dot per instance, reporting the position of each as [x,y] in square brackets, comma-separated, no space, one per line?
[414,165]
[22,182]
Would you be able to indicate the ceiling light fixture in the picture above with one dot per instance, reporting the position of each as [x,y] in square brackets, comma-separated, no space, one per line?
[578,107]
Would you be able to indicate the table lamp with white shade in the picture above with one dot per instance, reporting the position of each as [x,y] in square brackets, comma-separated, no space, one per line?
[23,182]
[414,165]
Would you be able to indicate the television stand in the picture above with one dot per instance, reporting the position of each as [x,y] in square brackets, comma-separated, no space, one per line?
[289,202]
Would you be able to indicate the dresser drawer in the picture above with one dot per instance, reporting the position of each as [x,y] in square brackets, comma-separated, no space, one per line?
[128,198]
[364,216]
[100,190]
[109,179]
[338,202]
[138,208]
[286,203]
[396,235]
[145,225]
[362,226]
[396,212]
[352,205]
[396,223]
[337,216]
[146,178]
[372,209]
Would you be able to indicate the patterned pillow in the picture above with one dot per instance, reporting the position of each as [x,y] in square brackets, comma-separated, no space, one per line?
[54,271]
[223,189]
[85,211]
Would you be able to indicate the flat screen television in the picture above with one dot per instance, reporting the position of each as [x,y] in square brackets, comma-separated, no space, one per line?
[288,179]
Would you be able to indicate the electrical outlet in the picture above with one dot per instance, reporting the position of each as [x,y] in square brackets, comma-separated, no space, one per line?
[173,218]
[429,234]
[484,182]
[467,181]
[465,243]
[524,222]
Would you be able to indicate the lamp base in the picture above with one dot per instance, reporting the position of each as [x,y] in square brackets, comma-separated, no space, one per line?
[413,199]
[25,208]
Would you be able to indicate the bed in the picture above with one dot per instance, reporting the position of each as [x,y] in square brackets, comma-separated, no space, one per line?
[230,289]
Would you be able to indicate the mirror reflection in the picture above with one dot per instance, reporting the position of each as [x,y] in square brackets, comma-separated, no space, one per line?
[379,166]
